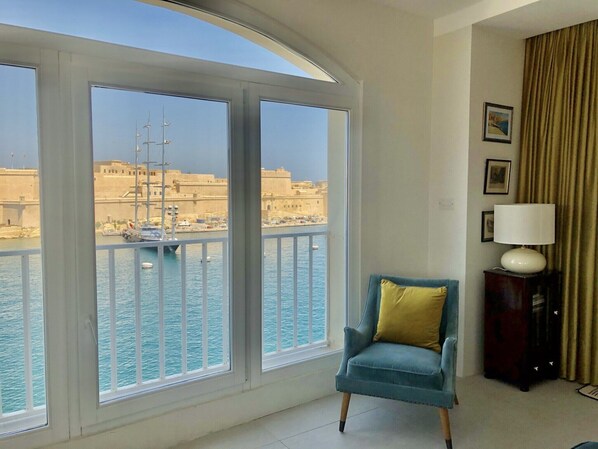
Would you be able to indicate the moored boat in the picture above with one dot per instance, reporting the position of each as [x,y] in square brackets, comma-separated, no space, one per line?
[148,232]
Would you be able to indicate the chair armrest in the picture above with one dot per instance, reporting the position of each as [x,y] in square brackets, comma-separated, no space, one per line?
[355,342]
[448,363]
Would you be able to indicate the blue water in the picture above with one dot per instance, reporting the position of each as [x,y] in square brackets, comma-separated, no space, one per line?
[12,381]
[503,126]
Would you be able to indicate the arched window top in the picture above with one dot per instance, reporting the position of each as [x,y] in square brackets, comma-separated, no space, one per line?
[161,26]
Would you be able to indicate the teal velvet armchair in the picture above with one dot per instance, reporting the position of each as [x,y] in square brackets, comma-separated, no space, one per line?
[401,372]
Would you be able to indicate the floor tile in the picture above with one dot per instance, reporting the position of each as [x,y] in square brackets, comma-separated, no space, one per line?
[316,414]
[491,415]
[245,436]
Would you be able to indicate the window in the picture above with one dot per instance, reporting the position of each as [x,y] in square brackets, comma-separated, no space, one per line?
[129,142]
[161,279]
[22,343]
[227,42]
[298,294]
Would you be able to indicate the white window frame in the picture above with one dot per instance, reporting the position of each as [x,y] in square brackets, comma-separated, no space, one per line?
[68,67]
[54,254]
[317,359]
[87,72]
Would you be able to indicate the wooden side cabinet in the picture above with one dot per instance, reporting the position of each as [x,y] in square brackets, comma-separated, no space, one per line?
[522,326]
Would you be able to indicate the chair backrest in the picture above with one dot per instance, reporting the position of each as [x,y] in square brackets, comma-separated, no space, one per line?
[450,312]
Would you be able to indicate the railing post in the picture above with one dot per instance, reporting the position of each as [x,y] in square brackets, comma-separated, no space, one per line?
[225,306]
[138,361]
[162,349]
[278,294]
[183,248]
[112,293]
[295,311]
[27,333]
[310,276]
[204,306]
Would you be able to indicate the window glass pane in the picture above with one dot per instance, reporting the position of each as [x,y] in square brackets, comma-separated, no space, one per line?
[303,171]
[22,360]
[140,25]
[161,212]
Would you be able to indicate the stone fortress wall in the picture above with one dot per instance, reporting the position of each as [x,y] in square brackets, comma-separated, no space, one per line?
[198,196]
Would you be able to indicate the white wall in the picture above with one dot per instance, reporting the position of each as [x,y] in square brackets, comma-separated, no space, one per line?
[391,53]
[496,77]
[471,66]
[449,164]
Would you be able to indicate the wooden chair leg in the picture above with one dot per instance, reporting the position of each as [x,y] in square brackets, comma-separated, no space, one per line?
[344,410]
[446,427]
[456,399]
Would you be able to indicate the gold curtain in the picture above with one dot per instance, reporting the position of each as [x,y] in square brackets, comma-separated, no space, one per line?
[559,165]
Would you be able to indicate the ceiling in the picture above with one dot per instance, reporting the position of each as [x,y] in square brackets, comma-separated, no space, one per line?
[543,16]
[428,8]
[535,17]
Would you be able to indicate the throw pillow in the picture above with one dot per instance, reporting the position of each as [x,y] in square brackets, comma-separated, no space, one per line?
[410,315]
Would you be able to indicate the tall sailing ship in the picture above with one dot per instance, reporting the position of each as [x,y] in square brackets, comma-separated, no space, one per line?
[148,232]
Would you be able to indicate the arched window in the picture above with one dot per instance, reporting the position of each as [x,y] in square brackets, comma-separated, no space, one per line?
[155,324]
[174,29]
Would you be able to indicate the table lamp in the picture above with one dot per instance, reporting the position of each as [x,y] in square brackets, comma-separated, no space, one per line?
[524,224]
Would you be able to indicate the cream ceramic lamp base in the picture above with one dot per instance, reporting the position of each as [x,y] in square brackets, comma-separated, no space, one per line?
[523,260]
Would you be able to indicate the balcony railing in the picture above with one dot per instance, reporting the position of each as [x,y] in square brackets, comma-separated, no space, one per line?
[21,333]
[294,295]
[170,323]
[158,303]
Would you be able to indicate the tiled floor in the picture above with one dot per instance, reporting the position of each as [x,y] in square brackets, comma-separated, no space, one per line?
[552,415]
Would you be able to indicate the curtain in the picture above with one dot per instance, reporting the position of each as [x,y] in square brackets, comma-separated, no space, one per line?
[559,165]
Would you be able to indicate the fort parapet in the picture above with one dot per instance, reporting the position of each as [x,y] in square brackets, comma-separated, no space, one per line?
[198,196]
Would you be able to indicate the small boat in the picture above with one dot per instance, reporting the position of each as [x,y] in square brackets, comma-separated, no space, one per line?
[315,247]
[147,265]
[151,233]
[108,230]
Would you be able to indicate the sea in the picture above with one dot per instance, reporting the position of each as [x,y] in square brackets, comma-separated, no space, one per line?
[12,352]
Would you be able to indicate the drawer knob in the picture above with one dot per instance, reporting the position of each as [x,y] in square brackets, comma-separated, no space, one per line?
[556,312]
[551,363]
[536,368]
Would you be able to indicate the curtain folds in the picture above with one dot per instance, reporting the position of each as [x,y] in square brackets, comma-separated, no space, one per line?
[559,165]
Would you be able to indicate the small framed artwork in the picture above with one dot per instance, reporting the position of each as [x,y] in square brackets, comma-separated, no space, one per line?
[498,172]
[488,226]
[498,123]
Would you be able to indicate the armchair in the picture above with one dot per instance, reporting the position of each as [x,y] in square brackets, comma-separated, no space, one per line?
[397,371]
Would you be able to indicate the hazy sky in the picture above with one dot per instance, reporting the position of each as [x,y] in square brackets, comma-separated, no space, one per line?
[294,137]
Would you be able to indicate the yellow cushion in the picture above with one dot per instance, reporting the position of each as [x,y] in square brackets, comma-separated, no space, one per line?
[410,315]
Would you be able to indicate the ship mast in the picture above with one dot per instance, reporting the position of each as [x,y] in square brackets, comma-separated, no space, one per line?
[147,162]
[163,143]
[137,151]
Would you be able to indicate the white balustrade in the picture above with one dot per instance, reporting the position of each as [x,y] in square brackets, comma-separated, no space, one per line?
[285,354]
[30,416]
[217,245]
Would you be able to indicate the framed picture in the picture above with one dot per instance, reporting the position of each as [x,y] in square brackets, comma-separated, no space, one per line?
[498,172]
[488,226]
[498,123]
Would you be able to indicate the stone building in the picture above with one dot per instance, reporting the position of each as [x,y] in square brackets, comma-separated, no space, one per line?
[198,196]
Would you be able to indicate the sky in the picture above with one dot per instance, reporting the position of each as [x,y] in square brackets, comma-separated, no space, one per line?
[293,137]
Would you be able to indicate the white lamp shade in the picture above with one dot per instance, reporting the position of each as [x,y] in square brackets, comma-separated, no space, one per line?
[524,224]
